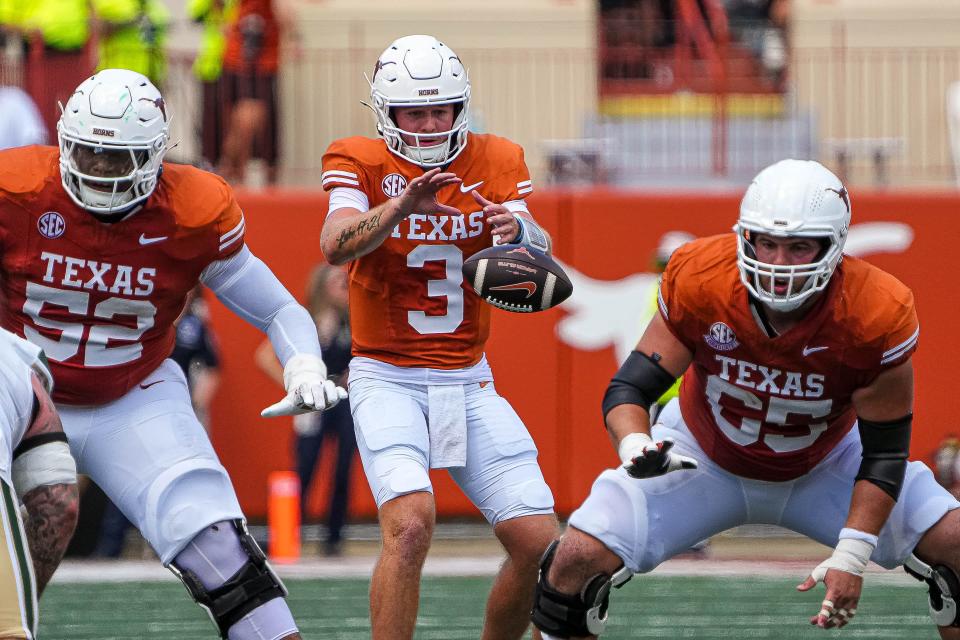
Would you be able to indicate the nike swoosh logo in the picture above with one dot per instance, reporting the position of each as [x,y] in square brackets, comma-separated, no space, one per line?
[529,287]
[145,240]
[469,188]
[150,384]
[808,350]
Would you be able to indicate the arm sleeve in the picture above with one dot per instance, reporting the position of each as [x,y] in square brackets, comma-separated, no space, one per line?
[248,288]
[342,197]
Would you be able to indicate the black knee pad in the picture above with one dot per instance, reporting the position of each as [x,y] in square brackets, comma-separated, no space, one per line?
[943,589]
[584,614]
[253,585]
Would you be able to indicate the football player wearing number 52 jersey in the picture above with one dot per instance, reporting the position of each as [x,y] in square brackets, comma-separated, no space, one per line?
[795,410]
[100,243]
[405,211]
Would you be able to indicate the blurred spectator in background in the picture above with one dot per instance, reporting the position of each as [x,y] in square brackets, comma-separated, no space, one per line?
[133,36]
[10,21]
[56,32]
[195,351]
[250,66]
[197,354]
[327,301]
[946,464]
[634,28]
[214,15]
[20,121]
[761,26]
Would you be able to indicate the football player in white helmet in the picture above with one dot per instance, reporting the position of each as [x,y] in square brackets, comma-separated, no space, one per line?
[425,76]
[113,134]
[108,242]
[797,204]
[421,390]
[795,410]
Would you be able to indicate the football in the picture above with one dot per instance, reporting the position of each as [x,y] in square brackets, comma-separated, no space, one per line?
[517,278]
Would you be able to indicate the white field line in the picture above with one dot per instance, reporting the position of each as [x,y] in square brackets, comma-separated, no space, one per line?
[85,571]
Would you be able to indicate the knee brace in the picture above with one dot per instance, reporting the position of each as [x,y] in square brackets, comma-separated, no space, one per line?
[943,589]
[228,575]
[584,614]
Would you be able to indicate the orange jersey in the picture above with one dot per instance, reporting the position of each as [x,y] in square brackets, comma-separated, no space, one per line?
[409,303]
[101,299]
[772,408]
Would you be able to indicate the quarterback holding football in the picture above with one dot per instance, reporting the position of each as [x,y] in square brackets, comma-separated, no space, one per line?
[406,210]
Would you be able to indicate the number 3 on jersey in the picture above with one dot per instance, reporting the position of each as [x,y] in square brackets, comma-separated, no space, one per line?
[450,287]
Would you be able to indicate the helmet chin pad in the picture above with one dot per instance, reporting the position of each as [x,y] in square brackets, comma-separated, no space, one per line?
[113,200]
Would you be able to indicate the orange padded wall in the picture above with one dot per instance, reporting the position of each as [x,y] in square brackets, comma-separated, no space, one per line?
[556,388]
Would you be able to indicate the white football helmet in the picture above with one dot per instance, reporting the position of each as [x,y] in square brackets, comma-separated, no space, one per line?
[791,199]
[415,71]
[116,114]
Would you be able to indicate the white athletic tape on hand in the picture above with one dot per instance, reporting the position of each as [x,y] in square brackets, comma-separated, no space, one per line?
[632,446]
[850,556]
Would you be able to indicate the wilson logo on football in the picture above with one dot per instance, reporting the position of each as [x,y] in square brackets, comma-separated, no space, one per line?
[393,185]
[529,287]
[721,337]
[51,225]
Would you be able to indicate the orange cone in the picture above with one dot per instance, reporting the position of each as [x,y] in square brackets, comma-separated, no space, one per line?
[283,516]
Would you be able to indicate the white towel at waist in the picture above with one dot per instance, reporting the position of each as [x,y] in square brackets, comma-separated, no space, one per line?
[447,423]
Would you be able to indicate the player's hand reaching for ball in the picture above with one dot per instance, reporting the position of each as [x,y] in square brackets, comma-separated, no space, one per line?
[420,195]
[503,223]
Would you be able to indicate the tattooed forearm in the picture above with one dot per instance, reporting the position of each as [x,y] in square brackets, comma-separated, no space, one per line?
[52,517]
[365,226]
[45,417]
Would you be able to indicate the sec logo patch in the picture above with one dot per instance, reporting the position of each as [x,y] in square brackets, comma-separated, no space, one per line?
[721,337]
[393,185]
[51,225]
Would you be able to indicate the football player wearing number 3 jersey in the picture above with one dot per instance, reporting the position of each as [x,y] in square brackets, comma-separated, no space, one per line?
[100,243]
[795,410]
[405,211]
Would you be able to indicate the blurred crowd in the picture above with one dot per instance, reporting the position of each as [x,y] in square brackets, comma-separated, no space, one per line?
[644,31]
[47,47]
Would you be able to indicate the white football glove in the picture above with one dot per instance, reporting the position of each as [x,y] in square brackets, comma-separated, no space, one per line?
[644,458]
[305,379]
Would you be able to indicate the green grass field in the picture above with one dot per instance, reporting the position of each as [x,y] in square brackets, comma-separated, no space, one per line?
[452,609]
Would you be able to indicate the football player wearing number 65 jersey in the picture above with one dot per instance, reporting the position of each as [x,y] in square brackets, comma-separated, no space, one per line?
[100,243]
[405,211]
[795,410]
